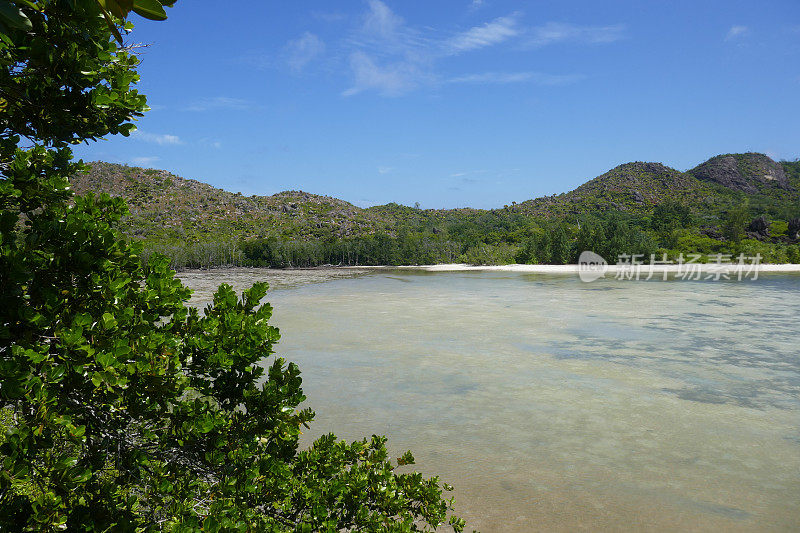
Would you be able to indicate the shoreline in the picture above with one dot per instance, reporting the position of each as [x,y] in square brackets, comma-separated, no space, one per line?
[525,268]
[575,269]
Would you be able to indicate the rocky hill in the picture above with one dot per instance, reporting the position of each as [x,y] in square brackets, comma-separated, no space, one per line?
[709,189]
[749,173]
[168,207]
[163,204]
[633,187]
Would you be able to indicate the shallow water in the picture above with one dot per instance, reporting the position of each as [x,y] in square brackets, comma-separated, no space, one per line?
[553,404]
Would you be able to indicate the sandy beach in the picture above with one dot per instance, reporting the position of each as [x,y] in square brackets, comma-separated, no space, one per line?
[610,269]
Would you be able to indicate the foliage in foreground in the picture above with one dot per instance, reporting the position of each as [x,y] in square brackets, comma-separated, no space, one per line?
[125,409]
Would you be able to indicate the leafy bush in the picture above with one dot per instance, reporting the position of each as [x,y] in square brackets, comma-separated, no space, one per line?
[490,254]
[735,222]
[125,409]
[692,242]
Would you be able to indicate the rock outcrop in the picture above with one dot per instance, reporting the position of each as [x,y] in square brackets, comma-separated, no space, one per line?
[794,229]
[742,172]
[759,228]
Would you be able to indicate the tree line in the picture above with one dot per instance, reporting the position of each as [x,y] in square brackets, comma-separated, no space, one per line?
[670,229]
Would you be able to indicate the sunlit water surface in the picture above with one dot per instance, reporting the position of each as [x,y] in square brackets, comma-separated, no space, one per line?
[556,405]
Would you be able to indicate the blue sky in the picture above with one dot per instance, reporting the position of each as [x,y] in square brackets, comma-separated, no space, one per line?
[458,103]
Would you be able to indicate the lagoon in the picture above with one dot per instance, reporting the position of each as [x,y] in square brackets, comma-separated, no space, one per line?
[557,405]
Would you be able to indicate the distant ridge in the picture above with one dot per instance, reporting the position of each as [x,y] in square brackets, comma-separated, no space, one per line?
[161,202]
[165,205]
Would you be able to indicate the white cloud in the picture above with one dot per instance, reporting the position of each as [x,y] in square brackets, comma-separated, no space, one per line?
[382,33]
[211,143]
[537,78]
[385,170]
[391,79]
[494,32]
[163,139]
[144,160]
[465,173]
[737,31]
[303,50]
[387,56]
[220,102]
[477,4]
[557,32]
[381,21]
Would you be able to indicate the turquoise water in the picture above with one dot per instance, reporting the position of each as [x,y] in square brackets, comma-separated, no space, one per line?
[553,404]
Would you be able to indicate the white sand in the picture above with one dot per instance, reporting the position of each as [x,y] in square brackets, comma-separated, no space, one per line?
[612,269]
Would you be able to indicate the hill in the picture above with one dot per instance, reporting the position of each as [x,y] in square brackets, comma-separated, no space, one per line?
[770,187]
[180,216]
[709,188]
[748,173]
[167,206]
[634,187]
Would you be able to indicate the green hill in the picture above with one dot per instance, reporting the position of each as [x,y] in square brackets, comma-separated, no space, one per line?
[167,206]
[709,189]
[633,187]
[170,213]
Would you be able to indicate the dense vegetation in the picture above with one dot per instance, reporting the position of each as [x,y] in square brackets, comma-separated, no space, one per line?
[637,208]
[122,408]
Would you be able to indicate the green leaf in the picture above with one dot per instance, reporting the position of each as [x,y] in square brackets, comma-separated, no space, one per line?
[109,321]
[206,424]
[127,129]
[56,372]
[405,459]
[110,23]
[66,461]
[115,7]
[126,5]
[211,524]
[106,359]
[82,320]
[13,17]
[82,475]
[34,356]
[149,9]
